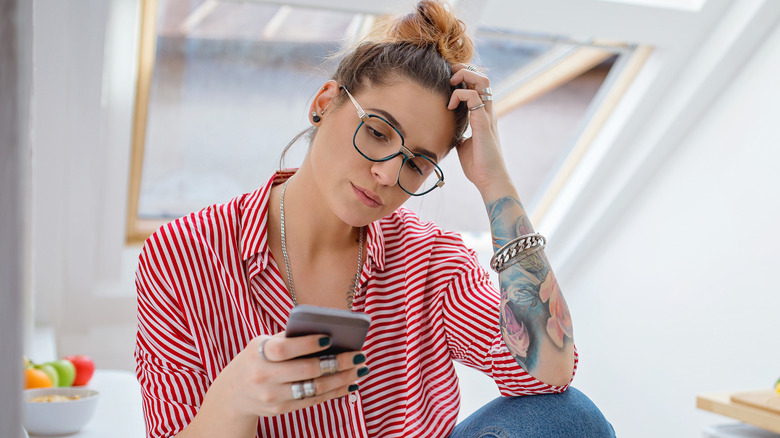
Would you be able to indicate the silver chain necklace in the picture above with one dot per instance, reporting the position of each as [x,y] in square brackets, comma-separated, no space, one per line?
[352,290]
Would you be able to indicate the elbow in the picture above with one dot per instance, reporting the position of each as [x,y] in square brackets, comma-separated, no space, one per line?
[559,371]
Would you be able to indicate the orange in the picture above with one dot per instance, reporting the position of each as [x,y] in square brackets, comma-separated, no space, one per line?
[34,378]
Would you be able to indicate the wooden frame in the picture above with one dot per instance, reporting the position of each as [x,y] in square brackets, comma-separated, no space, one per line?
[569,65]
[601,111]
[139,229]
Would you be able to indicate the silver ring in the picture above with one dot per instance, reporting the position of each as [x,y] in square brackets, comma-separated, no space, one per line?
[297,390]
[260,349]
[486,97]
[328,365]
[470,67]
[488,91]
[477,107]
[308,388]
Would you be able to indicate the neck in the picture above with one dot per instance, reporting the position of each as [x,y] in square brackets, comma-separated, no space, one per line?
[311,226]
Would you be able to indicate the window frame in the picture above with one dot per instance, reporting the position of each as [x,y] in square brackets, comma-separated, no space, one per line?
[580,58]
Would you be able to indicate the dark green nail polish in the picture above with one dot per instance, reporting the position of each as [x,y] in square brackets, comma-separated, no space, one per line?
[324,341]
[359,358]
[362,371]
[353,388]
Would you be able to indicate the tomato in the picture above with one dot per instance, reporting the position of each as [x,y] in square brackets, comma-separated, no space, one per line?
[85,367]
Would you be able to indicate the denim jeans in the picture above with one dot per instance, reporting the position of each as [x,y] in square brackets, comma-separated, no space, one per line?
[570,414]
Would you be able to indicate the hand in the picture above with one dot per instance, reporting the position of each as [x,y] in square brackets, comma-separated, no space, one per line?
[480,156]
[250,386]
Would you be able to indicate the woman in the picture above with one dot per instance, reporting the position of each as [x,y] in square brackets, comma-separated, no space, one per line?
[215,287]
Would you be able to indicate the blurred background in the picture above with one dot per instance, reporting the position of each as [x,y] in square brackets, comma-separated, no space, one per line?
[642,136]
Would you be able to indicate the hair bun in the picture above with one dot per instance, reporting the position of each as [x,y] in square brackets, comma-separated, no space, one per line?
[434,24]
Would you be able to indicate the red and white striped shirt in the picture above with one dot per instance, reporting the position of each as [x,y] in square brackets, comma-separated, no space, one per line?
[207,284]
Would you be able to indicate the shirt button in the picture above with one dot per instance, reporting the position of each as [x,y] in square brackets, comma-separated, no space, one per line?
[352,398]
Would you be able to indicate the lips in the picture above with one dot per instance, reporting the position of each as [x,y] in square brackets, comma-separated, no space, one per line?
[367,197]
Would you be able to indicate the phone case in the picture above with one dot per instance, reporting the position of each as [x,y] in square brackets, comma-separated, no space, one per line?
[347,329]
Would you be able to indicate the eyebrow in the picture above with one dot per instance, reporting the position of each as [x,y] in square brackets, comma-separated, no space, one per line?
[393,121]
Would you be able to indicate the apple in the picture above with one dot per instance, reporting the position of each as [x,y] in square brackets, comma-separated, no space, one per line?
[66,371]
[50,371]
[85,367]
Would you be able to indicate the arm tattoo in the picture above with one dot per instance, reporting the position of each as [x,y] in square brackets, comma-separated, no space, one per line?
[532,307]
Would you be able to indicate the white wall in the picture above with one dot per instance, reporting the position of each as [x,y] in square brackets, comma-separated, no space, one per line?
[84,57]
[681,296]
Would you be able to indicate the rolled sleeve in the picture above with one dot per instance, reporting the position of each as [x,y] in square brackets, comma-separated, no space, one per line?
[173,383]
[471,313]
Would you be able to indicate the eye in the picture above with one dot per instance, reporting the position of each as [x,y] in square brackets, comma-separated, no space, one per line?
[421,165]
[376,134]
[414,166]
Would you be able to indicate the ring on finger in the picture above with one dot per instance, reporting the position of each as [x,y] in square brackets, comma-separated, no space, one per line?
[486,97]
[297,391]
[470,67]
[260,349]
[477,107]
[308,388]
[488,91]
[328,365]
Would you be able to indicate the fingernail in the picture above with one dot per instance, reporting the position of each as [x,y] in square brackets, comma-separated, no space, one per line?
[352,388]
[359,358]
[362,371]
[324,341]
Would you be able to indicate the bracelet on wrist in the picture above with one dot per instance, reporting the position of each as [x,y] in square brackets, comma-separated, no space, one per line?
[516,250]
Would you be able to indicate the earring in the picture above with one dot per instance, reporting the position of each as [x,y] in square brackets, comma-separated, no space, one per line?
[315,117]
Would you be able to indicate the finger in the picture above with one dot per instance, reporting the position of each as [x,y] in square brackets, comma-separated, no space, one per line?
[317,399]
[343,379]
[279,348]
[473,79]
[279,398]
[311,367]
[464,67]
[339,382]
[470,97]
[336,383]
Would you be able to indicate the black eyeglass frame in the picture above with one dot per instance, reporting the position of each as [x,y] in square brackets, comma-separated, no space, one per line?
[404,151]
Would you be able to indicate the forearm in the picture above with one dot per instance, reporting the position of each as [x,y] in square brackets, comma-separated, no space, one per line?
[209,423]
[216,417]
[535,321]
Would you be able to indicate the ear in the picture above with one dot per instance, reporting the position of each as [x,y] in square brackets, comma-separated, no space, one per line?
[325,95]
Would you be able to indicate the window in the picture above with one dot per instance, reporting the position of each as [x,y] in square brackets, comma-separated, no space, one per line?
[223,86]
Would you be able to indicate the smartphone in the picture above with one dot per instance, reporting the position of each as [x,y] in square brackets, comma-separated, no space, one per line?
[347,329]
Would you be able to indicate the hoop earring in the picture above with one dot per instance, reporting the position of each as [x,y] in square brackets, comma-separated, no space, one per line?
[315,117]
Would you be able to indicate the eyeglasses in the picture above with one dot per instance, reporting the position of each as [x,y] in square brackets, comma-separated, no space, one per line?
[378,140]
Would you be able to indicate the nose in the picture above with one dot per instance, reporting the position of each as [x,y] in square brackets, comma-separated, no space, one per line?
[386,172]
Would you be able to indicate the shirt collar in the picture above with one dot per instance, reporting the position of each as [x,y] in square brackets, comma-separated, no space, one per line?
[254,225]
[254,218]
[375,244]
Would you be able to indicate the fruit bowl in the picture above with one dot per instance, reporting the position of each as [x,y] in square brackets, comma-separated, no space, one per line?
[58,417]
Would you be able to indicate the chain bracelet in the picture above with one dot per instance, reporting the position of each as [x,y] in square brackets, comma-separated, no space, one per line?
[516,250]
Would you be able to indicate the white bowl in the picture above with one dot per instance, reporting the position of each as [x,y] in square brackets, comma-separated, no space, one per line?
[60,417]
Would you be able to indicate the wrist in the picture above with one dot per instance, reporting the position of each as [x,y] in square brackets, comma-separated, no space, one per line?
[497,188]
[218,415]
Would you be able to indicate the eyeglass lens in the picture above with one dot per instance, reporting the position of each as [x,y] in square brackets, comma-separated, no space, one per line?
[377,141]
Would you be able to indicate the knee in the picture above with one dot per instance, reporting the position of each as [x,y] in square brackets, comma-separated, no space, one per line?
[583,414]
[569,414]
